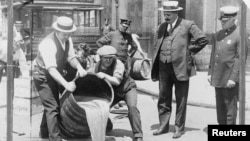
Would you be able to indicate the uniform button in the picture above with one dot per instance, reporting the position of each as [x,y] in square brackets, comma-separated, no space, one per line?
[215,64]
[217,56]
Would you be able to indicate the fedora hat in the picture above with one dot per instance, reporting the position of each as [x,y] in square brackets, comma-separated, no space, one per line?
[64,24]
[170,6]
[227,12]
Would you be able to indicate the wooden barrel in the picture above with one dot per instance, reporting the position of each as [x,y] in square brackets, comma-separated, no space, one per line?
[73,120]
[140,69]
[88,64]
[202,59]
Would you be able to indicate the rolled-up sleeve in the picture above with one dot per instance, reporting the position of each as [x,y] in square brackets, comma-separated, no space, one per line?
[47,48]
[119,70]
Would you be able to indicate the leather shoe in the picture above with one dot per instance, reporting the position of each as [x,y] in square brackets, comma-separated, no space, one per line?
[178,134]
[109,127]
[159,132]
[138,139]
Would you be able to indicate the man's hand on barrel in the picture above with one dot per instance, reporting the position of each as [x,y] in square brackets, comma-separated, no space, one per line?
[70,86]
[101,75]
[81,72]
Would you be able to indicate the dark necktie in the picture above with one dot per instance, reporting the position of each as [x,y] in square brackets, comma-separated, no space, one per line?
[170,30]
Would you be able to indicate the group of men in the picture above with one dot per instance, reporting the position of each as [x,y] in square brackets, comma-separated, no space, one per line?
[172,65]
[57,48]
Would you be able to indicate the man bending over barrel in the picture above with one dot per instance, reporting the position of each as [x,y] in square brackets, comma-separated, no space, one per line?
[113,70]
[54,51]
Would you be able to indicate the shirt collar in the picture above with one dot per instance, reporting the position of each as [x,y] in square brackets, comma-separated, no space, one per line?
[174,23]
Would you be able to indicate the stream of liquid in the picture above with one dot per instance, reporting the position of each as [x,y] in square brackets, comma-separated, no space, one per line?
[97,112]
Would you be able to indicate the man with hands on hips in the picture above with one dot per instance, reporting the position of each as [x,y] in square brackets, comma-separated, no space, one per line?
[172,65]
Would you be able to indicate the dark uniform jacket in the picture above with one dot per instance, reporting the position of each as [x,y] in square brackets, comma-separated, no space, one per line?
[224,62]
[181,50]
[120,41]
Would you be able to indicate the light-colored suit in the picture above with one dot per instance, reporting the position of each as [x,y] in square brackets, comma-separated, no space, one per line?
[176,70]
[181,49]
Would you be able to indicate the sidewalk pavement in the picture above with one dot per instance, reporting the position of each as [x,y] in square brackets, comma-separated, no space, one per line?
[200,91]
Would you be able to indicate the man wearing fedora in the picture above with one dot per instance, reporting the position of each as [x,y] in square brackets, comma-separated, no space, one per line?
[53,52]
[224,66]
[173,65]
[120,40]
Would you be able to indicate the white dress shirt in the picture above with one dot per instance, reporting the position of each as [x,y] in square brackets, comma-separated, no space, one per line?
[48,51]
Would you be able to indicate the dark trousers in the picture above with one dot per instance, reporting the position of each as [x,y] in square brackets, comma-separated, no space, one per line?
[167,80]
[3,67]
[49,93]
[133,113]
[226,105]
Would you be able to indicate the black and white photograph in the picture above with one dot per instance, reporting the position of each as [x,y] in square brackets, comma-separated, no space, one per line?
[124,70]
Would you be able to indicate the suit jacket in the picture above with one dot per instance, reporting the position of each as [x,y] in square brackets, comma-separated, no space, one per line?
[181,50]
[120,41]
[224,62]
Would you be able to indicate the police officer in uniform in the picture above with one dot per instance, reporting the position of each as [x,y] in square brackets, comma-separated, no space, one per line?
[224,66]
[120,39]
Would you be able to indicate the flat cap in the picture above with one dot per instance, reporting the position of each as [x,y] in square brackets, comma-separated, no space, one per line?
[106,50]
[227,12]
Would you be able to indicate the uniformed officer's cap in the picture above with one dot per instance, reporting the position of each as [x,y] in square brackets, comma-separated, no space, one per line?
[228,12]
[106,50]
[125,22]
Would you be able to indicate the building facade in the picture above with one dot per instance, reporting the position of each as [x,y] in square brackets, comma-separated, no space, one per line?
[146,18]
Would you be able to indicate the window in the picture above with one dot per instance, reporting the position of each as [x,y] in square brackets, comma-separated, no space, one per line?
[86,21]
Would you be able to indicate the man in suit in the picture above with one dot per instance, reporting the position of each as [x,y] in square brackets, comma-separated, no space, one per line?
[121,40]
[53,52]
[173,66]
[224,66]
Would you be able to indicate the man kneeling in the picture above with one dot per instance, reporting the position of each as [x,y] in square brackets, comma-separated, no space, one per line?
[113,70]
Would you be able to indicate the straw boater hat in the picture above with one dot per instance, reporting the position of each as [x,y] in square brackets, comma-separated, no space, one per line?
[64,24]
[228,12]
[170,6]
[106,50]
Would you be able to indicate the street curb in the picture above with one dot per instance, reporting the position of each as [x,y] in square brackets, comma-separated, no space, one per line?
[191,103]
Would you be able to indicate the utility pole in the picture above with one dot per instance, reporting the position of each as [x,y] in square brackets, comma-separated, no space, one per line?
[10,80]
[242,53]
[117,13]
